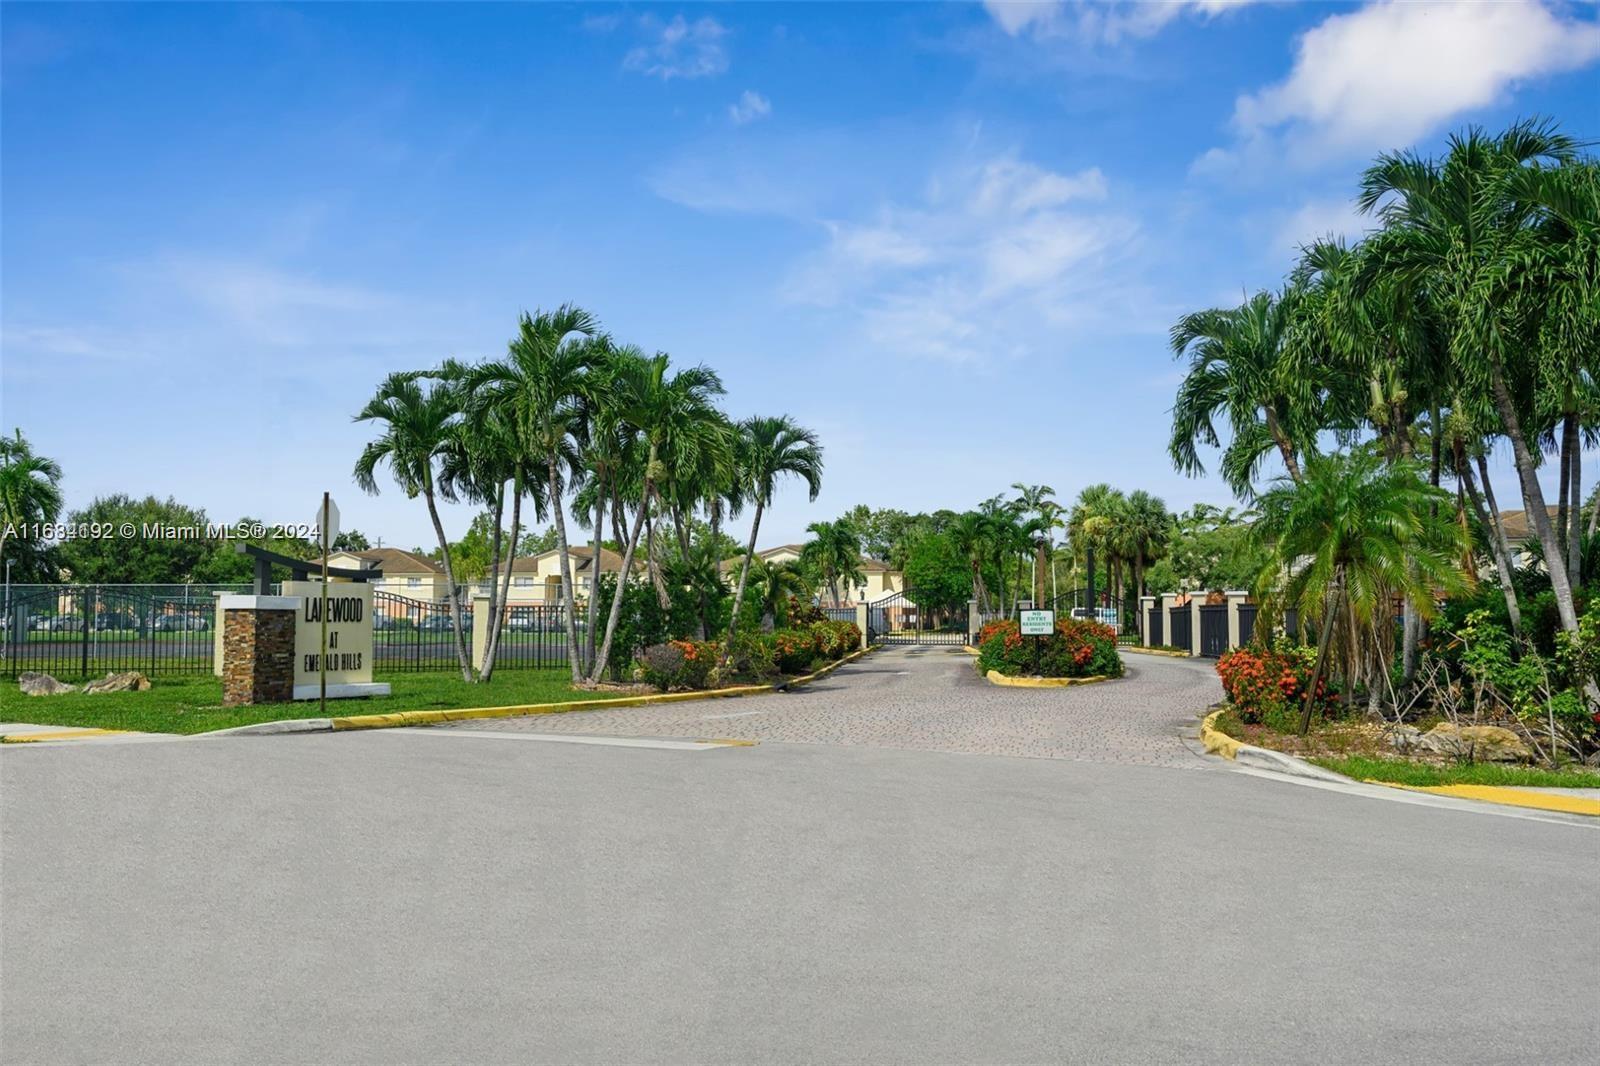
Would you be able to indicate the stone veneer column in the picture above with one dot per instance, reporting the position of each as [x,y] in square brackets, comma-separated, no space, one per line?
[258,649]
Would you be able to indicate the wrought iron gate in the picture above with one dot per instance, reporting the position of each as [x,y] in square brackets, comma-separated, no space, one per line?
[899,619]
[1153,625]
[1247,622]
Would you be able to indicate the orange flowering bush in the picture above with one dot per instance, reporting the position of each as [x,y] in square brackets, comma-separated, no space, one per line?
[1265,684]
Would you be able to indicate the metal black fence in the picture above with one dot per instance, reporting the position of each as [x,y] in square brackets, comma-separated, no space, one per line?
[1213,630]
[83,631]
[415,635]
[839,614]
[1247,622]
[1180,625]
[535,637]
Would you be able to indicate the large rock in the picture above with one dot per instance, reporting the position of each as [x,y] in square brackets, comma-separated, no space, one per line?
[1405,738]
[1483,743]
[132,681]
[43,685]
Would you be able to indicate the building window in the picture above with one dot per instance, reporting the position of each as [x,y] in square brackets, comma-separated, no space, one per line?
[413,582]
[523,582]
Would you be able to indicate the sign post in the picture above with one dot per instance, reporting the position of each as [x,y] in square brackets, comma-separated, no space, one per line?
[1038,625]
[327,529]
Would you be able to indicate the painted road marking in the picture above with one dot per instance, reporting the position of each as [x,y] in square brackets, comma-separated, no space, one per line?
[559,738]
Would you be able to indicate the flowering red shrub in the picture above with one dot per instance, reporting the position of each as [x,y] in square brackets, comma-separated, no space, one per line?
[1260,682]
[1078,648]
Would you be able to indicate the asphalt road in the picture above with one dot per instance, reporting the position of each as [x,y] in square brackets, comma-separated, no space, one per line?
[440,896]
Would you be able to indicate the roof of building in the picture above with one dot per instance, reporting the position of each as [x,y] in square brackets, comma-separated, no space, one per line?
[1517,526]
[396,561]
[582,558]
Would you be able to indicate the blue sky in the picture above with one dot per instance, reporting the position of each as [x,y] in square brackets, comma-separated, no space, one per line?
[949,237]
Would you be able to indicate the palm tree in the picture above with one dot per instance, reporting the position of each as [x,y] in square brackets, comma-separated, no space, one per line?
[30,487]
[1035,500]
[771,585]
[537,387]
[1453,226]
[770,449]
[1354,532]
[1238,369]
[418,422]
[1149,526]
[676,419]
[971,532]
[835,552]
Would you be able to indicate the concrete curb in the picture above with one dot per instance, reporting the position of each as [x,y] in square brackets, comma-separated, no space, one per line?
[261,729]
[995,677]
[1157,651]
[401,719]
[1219,743]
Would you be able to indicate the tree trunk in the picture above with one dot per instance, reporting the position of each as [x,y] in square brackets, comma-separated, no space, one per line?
[486,670]
[652,565]
[554,478]
[744,575]
[1285,449]
[1575,512]
[592,608]
[450,579]
[1038,573]
[1497,547]
[1565,482]
[492,653]
[1334,595]
[1533,499]
[623,577]
[1497,527]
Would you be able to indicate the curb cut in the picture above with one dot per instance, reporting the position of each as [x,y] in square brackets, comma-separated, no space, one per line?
[1219,743]
[286,725]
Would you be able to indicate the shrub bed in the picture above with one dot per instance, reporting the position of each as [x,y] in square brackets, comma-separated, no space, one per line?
[1077,648]
[755,658]
[1268,685]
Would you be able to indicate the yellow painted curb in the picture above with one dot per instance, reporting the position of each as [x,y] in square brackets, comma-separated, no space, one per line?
[1513,797]
[1157,651]
[997,678]
[63,734]
[1215,740]
[399,719]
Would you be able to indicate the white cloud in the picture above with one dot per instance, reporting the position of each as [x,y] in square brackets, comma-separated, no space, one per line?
[1105,20]
[1319,219]
[679,48]
[750,106]
[1391,72]
[994,259]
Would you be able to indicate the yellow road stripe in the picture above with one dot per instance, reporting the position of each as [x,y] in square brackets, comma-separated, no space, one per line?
[64,734]
[1514,797]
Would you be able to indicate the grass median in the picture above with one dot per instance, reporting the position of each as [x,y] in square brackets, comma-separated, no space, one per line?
[194,704]
[1424,775]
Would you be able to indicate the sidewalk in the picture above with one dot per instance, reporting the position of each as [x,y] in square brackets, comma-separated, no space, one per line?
[29,733]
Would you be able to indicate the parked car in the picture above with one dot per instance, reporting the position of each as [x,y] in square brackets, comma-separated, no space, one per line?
[113,620]
[179,623]
[440,622]
[61,623]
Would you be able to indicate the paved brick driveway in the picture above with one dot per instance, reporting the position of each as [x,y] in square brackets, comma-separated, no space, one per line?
[930,699]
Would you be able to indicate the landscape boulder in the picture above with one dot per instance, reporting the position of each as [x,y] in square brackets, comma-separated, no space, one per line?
[1405,738]
[43,685]
[1484,743]
[131,681]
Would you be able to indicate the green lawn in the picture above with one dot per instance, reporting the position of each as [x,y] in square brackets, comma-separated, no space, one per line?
[194,704]
[1399,772]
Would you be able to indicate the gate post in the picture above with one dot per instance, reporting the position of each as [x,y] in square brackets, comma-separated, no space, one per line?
[1196,601]
[480,631]
[973,619]
[1235,601]
[1146,632]
[861,622]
